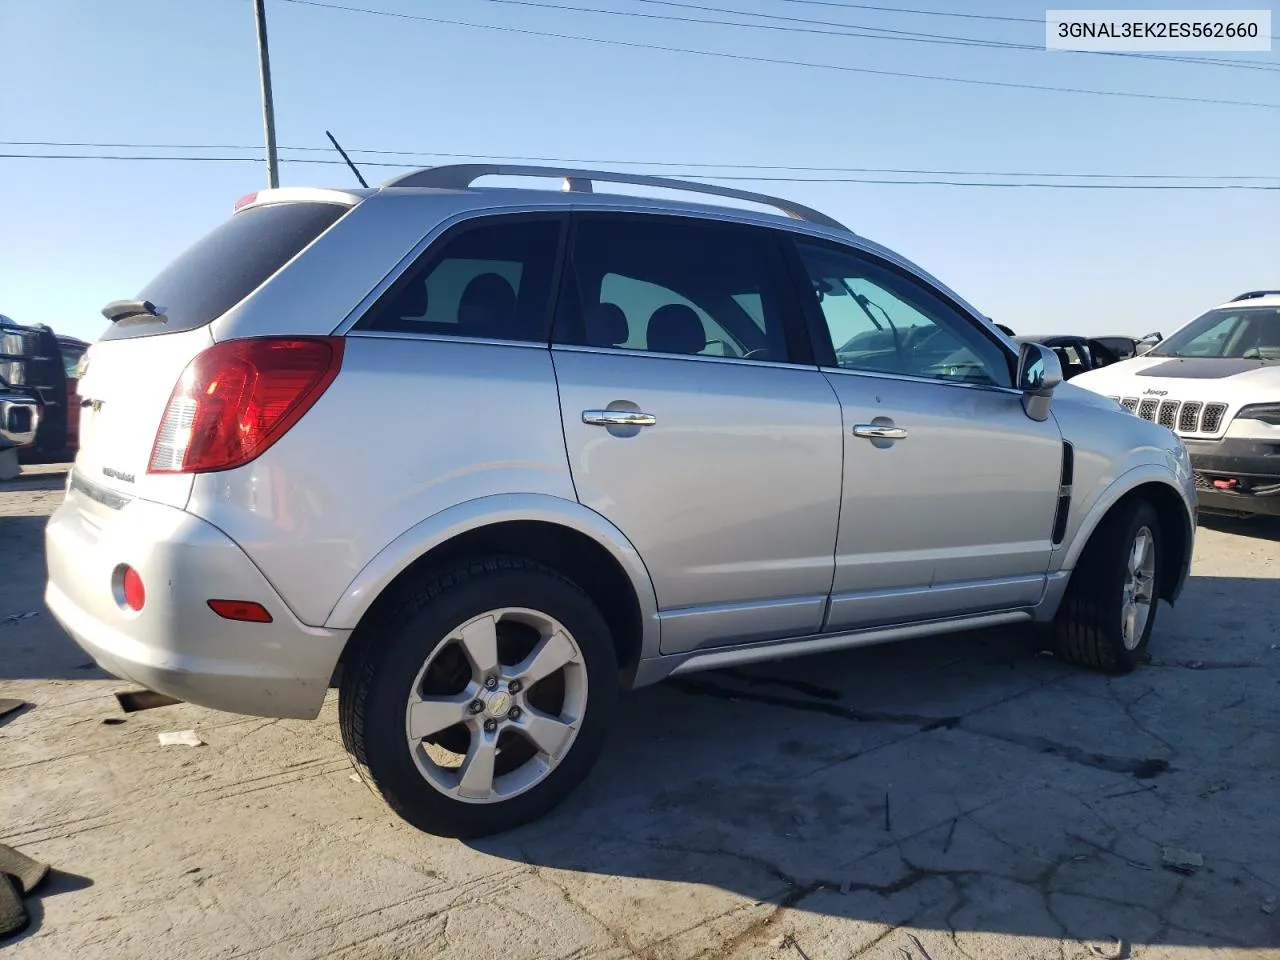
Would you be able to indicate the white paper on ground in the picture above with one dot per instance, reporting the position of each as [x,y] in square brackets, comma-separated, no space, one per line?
[180,738]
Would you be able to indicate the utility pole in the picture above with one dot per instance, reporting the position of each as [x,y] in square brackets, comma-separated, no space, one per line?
[268,110]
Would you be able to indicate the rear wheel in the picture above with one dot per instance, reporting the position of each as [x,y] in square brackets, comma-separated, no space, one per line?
[483,700]
[1109,611]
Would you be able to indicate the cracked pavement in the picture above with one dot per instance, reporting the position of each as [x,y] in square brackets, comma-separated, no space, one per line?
[953,799]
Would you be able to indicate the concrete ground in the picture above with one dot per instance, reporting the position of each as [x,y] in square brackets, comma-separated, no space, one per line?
[958,798]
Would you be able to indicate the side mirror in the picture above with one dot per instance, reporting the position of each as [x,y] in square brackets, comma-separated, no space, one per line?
[1039,372]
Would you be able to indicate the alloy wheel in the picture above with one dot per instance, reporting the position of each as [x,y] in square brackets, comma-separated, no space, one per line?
[497,705]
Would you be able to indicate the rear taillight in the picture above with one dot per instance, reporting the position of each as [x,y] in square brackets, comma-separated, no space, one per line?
[239,397]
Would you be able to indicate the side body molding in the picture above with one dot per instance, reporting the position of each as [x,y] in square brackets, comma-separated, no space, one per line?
[424,536]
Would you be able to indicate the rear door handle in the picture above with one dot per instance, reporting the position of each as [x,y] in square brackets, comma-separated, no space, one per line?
[878,431]
[618,418]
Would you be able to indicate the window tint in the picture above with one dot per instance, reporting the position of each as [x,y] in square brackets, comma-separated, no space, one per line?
[674,286]
[882,321]
[490,280]
[228,264]
[1250,333]
[1118,348]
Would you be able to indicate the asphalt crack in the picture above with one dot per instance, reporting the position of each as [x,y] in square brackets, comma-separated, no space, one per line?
[1142,768]
[799,686]
[921,722]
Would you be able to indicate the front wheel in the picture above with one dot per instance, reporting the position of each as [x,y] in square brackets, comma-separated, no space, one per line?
[1108,613]
[484,700]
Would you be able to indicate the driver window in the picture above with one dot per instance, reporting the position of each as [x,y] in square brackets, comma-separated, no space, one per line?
[882,321]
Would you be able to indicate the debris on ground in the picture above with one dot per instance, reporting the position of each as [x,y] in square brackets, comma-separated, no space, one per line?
[180,738]
[1116,949]
[19,877]
[1216,788]
[15,617]
[919,946]
[354,778]
[8,706]
[1269,904]
[131,701]
[113,721]
[29,873]
[13,915]
[1181,861]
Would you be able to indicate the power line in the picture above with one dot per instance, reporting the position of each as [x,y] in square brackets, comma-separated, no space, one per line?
[693,175]
[927,13]
[865,32]
[840,4]
[682,164]
[1172,98]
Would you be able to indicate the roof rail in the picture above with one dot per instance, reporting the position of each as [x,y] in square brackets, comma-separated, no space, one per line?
[460,176]
[1253,294]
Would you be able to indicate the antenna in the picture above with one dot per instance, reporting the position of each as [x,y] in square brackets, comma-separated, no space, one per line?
[338,146]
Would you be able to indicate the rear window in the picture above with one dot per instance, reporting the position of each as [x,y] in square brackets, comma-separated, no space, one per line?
[226,265]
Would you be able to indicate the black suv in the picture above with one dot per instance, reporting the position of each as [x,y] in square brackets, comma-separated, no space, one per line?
[33,389]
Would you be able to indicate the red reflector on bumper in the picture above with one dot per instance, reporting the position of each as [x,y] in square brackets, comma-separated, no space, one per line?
[244,610]
[135,596]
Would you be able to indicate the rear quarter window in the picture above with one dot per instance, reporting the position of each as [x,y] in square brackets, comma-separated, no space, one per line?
[226,265]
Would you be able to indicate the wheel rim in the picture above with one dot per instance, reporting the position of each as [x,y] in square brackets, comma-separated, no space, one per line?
[1139,588]
[497,705]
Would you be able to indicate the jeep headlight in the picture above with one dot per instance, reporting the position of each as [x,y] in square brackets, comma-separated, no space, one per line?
[1266,412]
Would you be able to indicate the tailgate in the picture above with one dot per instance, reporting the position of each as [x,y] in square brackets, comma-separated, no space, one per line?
[123,394]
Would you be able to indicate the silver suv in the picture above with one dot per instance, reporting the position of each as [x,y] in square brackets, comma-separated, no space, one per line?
[483,457]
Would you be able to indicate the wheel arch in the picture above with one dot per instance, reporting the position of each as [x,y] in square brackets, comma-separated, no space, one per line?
[1176,523]
[561,534]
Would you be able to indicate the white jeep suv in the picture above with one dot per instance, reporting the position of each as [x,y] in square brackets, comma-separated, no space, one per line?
[486,456]
[1216,383]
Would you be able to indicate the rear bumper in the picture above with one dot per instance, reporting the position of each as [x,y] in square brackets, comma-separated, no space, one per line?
[176,644]
[1251,467]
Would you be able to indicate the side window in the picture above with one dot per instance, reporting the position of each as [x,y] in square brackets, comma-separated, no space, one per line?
[71,360]
[882,321]
[664,285]
[490,280]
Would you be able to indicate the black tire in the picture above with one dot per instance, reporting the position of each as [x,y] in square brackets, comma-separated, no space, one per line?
[1088,629]
[374,691]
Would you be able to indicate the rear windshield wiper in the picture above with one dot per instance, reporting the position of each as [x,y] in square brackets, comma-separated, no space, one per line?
[118,310]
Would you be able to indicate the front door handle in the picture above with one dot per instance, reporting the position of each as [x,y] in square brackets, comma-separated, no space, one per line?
[618,418]
[879,431]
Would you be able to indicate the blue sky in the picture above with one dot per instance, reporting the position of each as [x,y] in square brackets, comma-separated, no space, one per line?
[75,234]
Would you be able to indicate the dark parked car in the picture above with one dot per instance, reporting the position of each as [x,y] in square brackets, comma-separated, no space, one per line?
[1078,354]
[1126,347]
[33,370]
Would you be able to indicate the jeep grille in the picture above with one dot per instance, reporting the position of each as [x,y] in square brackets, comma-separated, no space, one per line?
[1191,416]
